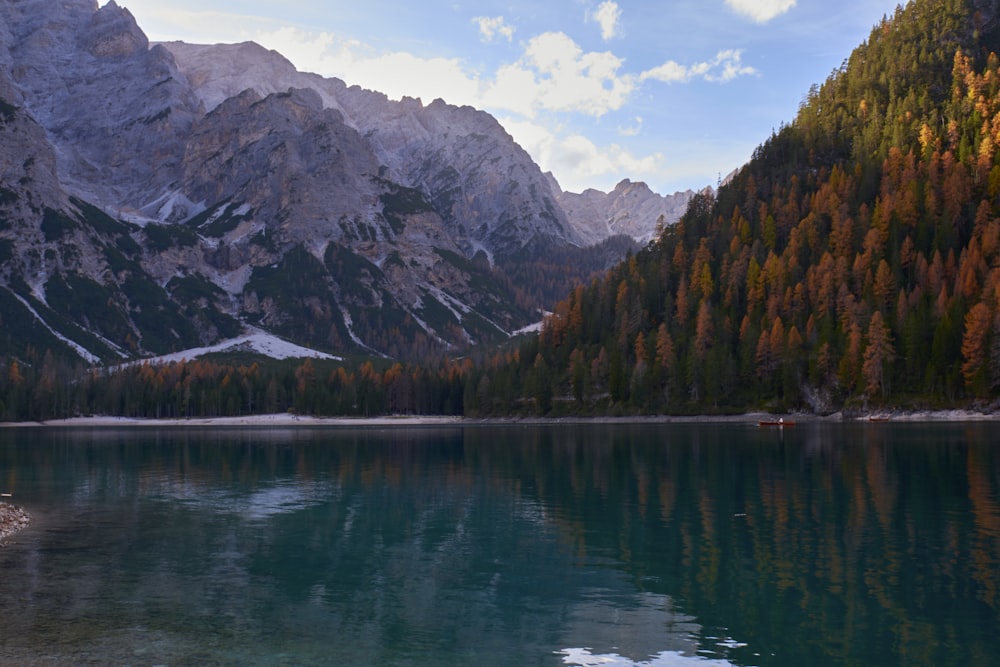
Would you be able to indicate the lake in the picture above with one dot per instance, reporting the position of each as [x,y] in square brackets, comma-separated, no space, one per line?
[652,544]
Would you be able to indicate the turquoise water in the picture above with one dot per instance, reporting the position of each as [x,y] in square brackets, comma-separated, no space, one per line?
[869,544]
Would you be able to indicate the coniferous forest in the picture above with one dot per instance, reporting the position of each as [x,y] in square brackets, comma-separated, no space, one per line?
[229,386]
[853,262]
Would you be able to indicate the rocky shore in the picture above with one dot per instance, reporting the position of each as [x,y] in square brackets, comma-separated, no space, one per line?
[12,519]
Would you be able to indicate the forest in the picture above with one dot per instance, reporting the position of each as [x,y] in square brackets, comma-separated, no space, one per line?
[48,388]
[853,263]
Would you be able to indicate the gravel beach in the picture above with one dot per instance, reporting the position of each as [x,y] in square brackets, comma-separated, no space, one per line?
[12,519]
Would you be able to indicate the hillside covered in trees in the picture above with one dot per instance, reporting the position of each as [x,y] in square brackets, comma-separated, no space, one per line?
[854,261]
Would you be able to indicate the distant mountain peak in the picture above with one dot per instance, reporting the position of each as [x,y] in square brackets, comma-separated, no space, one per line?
[632,209]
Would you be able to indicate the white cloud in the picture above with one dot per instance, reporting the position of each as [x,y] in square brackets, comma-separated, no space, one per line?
[515,89]
[166,21]
[608,15]
[395,73]
[632,130]
[668,72]
[555,74]
[491,28]
[729,64]
[760,11]
[725,66]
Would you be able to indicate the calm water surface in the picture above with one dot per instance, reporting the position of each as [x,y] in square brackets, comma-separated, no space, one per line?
[680,545]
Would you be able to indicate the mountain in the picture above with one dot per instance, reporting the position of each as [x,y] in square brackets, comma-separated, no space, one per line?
[490,194]
[853,262]
[631,209]
[414,141]
[160,197]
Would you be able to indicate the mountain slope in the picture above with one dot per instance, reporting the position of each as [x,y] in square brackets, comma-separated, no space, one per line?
[115,110]
[149,207]
[852,262]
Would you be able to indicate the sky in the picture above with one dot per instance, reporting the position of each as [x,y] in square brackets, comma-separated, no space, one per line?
[676,93]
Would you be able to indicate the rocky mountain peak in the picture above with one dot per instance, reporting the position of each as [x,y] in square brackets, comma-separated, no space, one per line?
[626,185]
[631,208]
[113,33]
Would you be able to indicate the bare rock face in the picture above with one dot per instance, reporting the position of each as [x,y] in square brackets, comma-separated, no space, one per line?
[27,157]
[296,164]
[113,34]
[116,110]
[490,194]
[217,72]
[38,241]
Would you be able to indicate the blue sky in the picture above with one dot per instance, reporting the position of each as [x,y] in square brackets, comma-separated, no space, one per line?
[675,93]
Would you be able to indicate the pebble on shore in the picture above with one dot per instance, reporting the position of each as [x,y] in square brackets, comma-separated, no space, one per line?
[12,519]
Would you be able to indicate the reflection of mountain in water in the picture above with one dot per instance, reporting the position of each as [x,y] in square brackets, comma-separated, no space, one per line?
[642,629]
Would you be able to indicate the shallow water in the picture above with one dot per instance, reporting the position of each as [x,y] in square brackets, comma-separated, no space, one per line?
[664,544]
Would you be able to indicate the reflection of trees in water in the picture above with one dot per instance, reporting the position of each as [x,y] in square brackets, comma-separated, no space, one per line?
[860,542]
[841,543]
[985,548]
[822,544]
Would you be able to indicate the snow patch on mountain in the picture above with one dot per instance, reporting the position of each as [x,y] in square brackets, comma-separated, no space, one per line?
[79,349]
[256,341]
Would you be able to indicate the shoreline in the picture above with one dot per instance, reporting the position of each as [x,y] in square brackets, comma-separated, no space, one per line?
[12,520]
[290,420]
